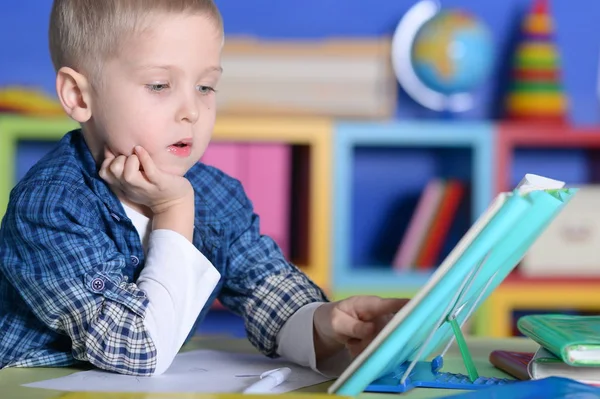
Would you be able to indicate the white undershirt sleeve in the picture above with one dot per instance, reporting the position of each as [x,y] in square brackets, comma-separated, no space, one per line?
[178,281]
[295,342]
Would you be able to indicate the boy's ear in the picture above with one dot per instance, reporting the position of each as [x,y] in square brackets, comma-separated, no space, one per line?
[73,91]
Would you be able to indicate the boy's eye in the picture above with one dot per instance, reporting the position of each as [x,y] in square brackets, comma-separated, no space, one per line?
[157,87]
[205,89]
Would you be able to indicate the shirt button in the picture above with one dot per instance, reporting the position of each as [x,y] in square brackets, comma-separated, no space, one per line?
[98,284]
[116,217]
[135,260]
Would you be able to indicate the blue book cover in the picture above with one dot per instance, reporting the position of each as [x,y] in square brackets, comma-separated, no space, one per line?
[546,388]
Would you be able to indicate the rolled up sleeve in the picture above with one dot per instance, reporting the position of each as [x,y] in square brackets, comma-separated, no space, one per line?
[69,273]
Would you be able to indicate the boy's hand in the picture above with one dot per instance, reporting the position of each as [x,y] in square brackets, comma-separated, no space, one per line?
[138,179]
[169,197]
[352,323]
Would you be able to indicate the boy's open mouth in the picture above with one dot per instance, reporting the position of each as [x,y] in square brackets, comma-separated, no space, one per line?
[182,144]
[182,148]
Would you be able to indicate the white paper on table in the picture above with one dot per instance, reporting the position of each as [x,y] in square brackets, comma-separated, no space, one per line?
[203,371]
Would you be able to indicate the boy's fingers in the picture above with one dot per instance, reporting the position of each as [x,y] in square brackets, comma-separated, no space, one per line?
[349,327]
[104,168]
[117,165]
[103,172]
[108,154]
[371,307]
[148,165]
[132,169]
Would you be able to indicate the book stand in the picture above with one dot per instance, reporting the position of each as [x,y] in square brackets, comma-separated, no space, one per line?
[428,374]
[397,360]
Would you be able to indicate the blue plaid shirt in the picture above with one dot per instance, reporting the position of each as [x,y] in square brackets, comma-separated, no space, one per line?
[69,259]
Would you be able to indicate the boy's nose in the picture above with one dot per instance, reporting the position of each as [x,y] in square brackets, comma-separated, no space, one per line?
[188,112]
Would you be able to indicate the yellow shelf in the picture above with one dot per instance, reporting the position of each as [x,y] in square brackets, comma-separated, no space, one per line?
[494,318]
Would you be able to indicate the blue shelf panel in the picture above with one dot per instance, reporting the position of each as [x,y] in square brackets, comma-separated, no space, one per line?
[572,165]
[380,170]
[387,184]
[372,279]
[28,153]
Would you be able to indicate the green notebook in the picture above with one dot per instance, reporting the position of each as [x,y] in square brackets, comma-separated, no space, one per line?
[574,339]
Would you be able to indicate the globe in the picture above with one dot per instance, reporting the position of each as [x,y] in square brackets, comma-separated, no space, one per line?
[452,52]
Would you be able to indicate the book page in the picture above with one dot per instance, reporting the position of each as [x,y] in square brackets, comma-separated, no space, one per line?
[533,182]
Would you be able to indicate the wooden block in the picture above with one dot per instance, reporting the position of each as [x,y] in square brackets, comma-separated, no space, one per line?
[344,77]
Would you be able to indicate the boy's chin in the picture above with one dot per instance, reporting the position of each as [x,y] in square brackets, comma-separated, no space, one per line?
[179,170]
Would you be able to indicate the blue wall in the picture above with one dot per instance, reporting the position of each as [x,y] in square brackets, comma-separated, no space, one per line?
[24,56]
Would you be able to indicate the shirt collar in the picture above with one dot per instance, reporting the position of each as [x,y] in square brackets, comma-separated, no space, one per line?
[90,170]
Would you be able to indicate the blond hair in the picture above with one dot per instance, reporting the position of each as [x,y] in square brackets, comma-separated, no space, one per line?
[85,33]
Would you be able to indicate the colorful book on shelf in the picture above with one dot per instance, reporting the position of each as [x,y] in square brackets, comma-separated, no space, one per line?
[511,362]
[409,352]
[572,338]
[545,364]
[429,252]
[419,224]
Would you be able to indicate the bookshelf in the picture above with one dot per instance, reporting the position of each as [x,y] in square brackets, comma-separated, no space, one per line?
[378,169]
[354,186]
[310,137]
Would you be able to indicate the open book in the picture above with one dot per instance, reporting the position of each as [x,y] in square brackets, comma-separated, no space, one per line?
[485,255]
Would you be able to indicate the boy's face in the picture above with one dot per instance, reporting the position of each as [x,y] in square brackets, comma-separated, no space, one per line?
[158,93]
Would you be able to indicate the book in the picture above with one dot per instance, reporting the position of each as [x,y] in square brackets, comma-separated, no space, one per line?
[572,338]
[513,363]
[438,231]
[531,182]
[419,225]
[545,364]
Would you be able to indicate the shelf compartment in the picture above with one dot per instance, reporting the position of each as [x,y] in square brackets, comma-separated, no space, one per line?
[361,150]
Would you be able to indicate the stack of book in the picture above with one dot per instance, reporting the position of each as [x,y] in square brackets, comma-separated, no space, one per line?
[569,346]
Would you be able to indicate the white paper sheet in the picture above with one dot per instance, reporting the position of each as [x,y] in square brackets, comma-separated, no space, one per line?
[204,371]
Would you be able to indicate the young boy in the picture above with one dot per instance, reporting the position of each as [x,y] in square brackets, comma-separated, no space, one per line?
[115,244]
